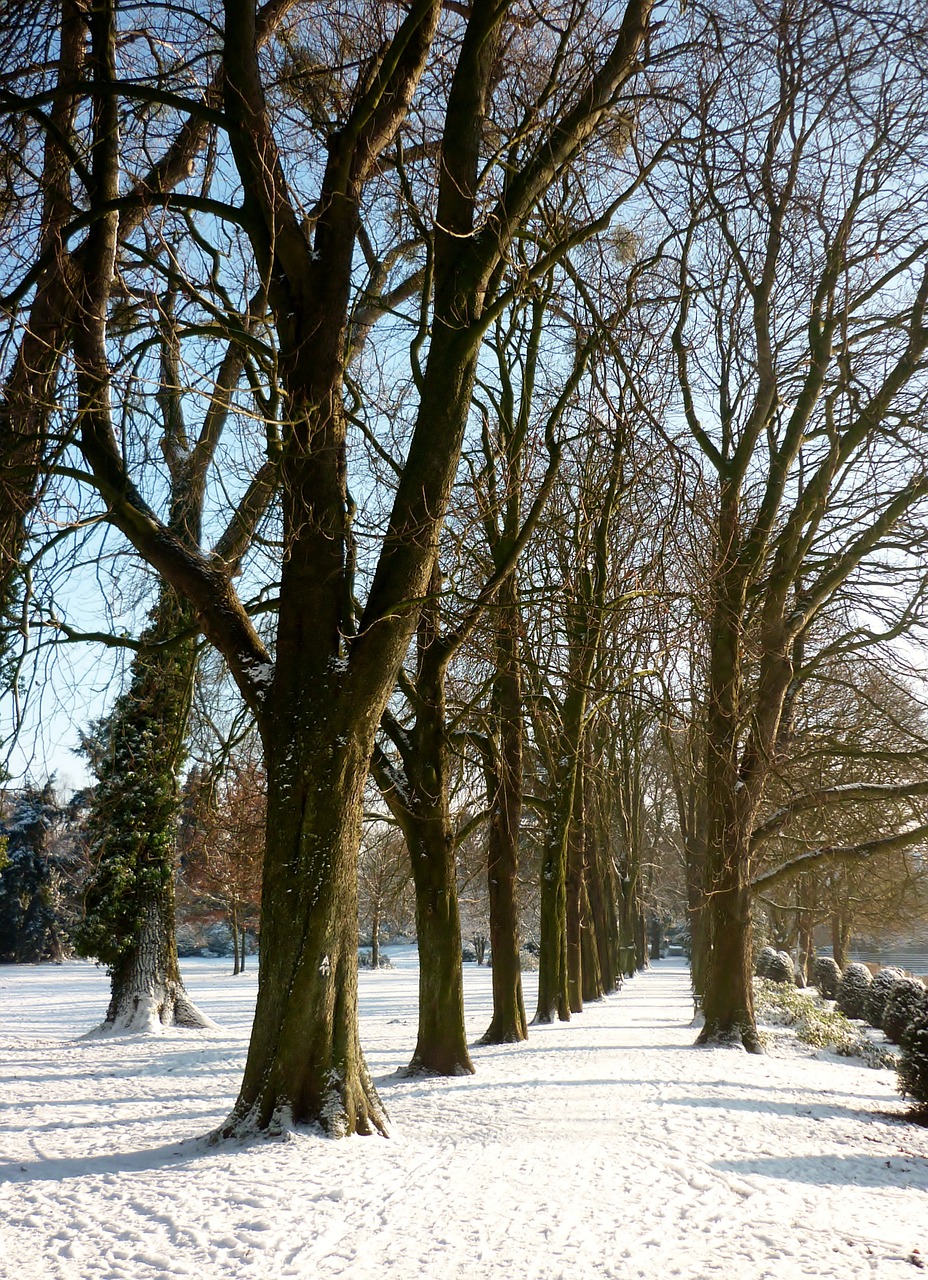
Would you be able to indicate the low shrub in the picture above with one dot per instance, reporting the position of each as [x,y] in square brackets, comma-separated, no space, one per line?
[852,991]
[827,975]
[815,1024]
[781,968]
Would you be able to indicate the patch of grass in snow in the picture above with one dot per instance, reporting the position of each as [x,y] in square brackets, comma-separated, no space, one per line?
[816,1022]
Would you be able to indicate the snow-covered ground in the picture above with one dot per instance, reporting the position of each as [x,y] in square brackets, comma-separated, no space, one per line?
[609,1147]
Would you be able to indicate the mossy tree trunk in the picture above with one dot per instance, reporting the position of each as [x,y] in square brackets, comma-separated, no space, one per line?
[603,889]
[553,983]
[575,896]
[304,1061]
[128,919]
[593,976]
[419,800]
[503,771]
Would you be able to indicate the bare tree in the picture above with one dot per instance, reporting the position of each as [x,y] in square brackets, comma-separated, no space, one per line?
[384,882]
[800,344]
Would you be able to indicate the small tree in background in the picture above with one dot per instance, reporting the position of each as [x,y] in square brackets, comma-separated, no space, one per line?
[223,842]
[385,902]
[41,863]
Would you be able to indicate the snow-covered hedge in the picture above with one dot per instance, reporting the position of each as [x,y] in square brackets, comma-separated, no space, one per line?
[827,977]
[913,1062]
[879,992]
[907,1000]
[853,989]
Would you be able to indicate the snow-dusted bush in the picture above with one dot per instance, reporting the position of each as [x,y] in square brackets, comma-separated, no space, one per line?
[907,1000]
[764,956]
[913,1062]
[814,1023]
[189,941]
[852,991]
[366,961]
[827,977]
[878,993]
[781,968]
[218,938]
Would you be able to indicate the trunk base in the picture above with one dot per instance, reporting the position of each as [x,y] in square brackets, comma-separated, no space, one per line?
[742,1033]
[146,1012]
[545,1016]
[344,1111]
[418,1070]
[512,1036]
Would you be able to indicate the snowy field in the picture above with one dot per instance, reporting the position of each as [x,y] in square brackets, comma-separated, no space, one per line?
[609,1147]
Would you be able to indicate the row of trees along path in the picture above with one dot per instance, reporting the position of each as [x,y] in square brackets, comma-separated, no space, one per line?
[767,328]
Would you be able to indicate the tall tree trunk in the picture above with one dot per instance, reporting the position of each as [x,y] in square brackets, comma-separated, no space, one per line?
[375,938]
[441,1045]
[236,954]
[728,1003]
[641,936]
[603,892]
[728,997]
[574,897]
[593,987]
[421,806]
[840,939]
[806,915]
[304,1060]
[553,995]
[504,795]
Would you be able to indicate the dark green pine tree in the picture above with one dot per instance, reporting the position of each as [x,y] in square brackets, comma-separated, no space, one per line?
[36,870]
[136,753]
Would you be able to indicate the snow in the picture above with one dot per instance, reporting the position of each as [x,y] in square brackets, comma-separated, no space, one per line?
[607,1147]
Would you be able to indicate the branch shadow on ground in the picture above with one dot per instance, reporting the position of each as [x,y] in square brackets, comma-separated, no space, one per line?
[56,1168]
[859,1170]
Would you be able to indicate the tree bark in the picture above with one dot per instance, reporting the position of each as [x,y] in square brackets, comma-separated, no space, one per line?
[421,807]
[553,994]
[304,1061]
[574,897]
[375,938]
[147,991]
[504,794]
[236,952]
[840,939]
